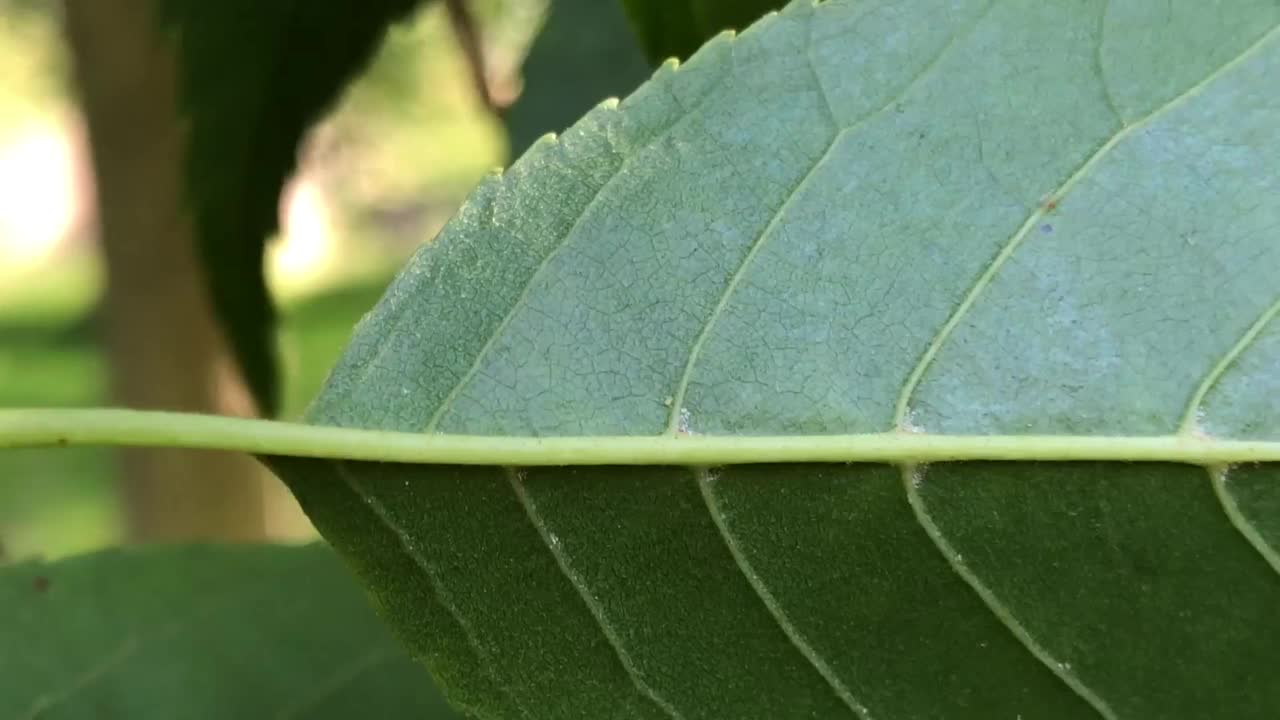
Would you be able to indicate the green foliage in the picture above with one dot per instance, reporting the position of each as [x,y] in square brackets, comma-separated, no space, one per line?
[201,632]
[33,69]
[584,54]
[959,218]
[254,76]
[676,28]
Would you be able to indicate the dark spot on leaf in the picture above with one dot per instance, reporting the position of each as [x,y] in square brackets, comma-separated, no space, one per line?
[1046,228]
[40,583]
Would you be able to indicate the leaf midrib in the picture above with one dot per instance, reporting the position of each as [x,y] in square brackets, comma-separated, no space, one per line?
[42,427]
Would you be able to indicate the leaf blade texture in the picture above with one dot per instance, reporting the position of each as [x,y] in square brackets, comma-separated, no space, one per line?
[937,217]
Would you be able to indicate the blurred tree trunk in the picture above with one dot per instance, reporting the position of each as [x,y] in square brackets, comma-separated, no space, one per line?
[164,346]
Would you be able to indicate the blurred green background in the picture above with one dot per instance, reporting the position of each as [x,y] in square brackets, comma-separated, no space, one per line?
[377,177]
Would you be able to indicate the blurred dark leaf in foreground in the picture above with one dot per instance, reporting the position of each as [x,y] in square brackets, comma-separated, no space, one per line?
[254,76]
[585,53]
[201,632]
[676,28]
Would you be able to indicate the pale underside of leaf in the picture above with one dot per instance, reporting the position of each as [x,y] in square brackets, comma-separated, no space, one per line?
[945,218]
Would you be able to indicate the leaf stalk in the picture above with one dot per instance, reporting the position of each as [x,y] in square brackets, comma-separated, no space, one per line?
[141,428]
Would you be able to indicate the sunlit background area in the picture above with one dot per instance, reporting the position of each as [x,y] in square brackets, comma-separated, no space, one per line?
[376,179]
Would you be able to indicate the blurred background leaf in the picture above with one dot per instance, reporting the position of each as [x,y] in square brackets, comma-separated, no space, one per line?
[254,77]
[200,632]
[676,28]
[586,52]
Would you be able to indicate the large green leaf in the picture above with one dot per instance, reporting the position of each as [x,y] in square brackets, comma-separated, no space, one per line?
[676,28]
[584,54]
[201,632]
[254,77]
[940,217]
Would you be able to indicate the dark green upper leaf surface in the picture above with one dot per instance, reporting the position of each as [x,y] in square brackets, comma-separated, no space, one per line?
[584,54]
[1010,218]
[676,28]
[254,77]
[201,632]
